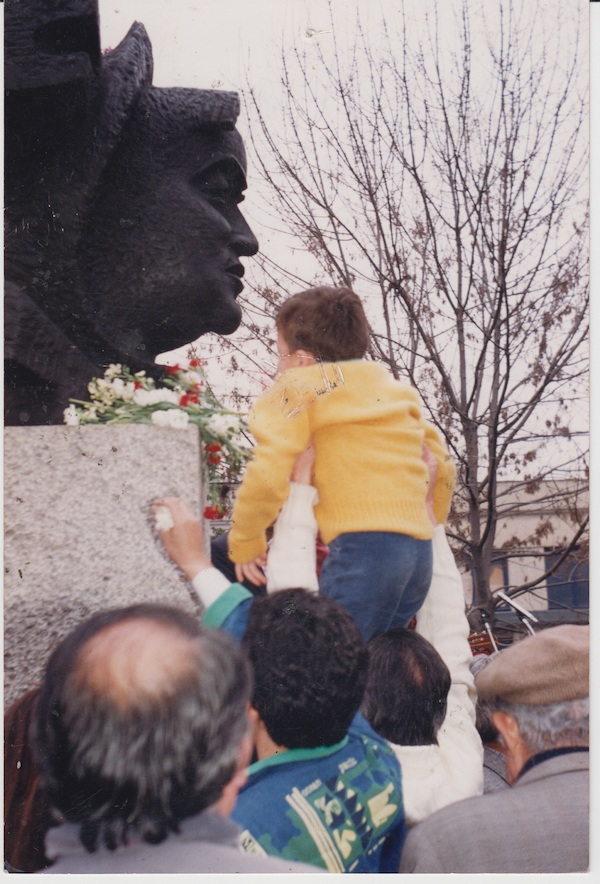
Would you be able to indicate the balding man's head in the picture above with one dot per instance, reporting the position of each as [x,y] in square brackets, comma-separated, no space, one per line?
[136,662]
[141,717]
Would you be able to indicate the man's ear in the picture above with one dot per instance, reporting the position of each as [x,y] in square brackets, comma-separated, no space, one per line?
[517,752]
[507,727]
[256,724]
[226,802]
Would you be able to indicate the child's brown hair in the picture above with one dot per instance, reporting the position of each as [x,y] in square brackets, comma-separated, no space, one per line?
[327,321]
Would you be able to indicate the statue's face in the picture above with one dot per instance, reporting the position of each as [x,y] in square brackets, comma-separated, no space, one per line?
[160,258]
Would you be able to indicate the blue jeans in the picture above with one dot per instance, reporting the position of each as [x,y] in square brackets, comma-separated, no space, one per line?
[379,577]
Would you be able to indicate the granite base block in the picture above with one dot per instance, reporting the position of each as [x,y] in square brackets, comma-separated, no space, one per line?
[79,535]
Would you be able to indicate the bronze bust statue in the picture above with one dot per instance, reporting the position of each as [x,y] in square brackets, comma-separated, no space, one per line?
[123,234]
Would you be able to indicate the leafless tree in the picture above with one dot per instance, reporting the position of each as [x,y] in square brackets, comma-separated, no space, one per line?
[447,185]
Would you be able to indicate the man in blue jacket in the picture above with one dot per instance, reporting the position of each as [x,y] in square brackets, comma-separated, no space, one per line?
[325,789]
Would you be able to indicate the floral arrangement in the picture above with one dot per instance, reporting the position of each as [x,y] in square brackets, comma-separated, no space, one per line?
[186,398]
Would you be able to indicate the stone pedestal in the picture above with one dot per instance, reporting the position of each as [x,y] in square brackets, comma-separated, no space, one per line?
[79,534]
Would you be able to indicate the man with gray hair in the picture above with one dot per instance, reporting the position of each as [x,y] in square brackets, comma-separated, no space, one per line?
[539,693]
[142,737]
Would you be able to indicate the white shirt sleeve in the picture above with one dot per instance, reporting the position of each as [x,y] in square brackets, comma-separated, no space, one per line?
[210,584]
[443,622]
[292,557]
[442,619]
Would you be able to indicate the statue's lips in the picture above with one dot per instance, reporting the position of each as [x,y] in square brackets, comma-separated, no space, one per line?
[235,273]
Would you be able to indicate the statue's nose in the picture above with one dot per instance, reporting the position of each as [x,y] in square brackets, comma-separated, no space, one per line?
[244,241]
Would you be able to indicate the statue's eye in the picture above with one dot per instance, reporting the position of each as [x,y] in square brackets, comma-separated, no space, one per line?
[217,188]
[216,198]
[221,198]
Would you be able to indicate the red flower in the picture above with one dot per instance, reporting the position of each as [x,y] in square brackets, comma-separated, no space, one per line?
[137,385]
[189,399]
[195,363]
[213,453]
[172,369]
[214,512]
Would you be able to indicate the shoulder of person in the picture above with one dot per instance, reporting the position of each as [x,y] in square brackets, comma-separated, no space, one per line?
[305,384]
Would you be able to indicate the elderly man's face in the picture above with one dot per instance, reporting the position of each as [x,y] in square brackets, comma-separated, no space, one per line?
[160,259]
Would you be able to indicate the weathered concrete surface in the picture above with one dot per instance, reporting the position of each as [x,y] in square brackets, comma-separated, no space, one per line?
[79,536]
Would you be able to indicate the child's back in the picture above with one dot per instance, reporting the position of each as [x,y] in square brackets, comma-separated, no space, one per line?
[368,434]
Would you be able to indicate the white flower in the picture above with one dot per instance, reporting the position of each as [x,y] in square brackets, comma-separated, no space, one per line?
[128,391]
[223,424]
[172,417]
[192,378]
[113,370]
[71,417]
[102,390]
[143,397]
[153,397]
[123,390]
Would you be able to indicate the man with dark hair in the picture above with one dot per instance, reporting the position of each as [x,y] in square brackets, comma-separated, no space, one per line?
[412,712]
[325,788]
[142,737]
[288,641]
[539,691]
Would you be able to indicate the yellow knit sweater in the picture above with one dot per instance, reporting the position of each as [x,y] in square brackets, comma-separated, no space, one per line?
[368,433]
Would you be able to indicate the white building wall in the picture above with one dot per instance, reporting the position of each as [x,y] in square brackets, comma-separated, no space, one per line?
[556,522]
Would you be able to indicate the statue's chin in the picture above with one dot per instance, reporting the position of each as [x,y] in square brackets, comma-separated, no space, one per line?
[229,326]
[224,320]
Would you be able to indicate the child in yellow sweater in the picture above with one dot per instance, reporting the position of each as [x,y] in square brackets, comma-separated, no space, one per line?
[368,433]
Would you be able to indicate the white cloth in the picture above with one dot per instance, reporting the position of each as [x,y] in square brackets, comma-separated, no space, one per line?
[434,776]
[292,559]
[210,584]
